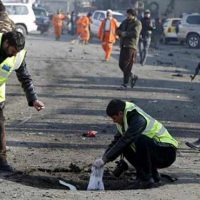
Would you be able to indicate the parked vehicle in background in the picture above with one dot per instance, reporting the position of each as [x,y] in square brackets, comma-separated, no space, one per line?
[189,30]
[23,17]
[100,15]
[170,29]
[42,19]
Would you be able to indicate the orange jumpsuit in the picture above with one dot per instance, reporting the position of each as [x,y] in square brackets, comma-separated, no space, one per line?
[108,37]
[78,26]
[58,24]
[83,31]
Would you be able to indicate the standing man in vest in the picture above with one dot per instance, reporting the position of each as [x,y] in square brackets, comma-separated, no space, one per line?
[128,31]
[142,140]
[12,58]
[107,34]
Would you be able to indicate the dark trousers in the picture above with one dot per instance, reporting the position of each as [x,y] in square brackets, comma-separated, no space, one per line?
[2,135]
[126,59]
[144,44]
[149,156]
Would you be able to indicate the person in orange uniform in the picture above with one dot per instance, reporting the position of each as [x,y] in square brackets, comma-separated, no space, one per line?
[58,24]
[83,24]
[78,26]
[107,33]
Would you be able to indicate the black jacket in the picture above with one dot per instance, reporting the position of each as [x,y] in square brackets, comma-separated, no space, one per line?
[136,125]
[26,82]
[147,27]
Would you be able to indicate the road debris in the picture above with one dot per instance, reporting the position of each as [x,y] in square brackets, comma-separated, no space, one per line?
[90,134]
[178,75]
[196,72]
[170,54]
[70,186]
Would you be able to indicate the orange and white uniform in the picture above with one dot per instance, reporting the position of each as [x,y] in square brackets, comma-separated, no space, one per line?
[107,34]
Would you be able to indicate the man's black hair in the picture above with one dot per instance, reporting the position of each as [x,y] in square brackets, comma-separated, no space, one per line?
[15,39]
[131,11]
[114,107]
[89,14]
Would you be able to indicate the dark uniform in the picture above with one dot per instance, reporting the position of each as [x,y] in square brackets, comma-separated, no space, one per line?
[145,38]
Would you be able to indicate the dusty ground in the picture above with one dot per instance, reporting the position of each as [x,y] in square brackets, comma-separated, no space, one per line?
[76,85]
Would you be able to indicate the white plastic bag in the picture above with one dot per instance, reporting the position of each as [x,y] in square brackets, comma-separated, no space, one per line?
[96,179]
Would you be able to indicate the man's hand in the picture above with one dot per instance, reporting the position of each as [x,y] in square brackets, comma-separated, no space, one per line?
[98,163]
[38,105]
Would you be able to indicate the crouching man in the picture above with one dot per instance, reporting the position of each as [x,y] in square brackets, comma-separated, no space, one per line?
[142,140]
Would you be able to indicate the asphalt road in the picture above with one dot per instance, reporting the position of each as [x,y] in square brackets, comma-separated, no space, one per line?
[76,85]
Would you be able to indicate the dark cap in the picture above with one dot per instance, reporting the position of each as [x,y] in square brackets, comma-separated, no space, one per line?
[89,14]
[131,11]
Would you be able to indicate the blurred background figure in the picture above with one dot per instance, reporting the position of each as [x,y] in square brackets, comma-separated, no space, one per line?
[157,35]
[83,24]
[89,15]
[107,34]
[68,19]
[73,20]
[57,22]
[78,26]
[145,36]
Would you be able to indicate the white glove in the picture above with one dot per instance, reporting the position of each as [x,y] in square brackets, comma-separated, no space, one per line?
[98,163]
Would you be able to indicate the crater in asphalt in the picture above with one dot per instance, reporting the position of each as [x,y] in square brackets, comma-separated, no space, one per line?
[49,179]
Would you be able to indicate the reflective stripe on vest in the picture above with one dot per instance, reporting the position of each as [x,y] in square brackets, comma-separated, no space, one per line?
[154,129]
[6,68]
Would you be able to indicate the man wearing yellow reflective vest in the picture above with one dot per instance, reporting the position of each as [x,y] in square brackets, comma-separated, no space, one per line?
[12,58]
[142,140]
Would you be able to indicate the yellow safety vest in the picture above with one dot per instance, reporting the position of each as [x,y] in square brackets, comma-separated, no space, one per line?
[154,129]
[6,68]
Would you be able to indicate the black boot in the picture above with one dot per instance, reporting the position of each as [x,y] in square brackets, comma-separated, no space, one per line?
[194,145]
[4,166]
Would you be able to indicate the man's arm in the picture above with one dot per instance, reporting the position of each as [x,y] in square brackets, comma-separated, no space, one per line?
[116,138]
[137,124]
[26,82]
[121,28]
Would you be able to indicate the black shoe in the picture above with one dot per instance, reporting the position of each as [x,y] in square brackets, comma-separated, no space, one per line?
[194,145]
[142,63]
[123,87]
[140,184]
[133,80]
[5,167]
